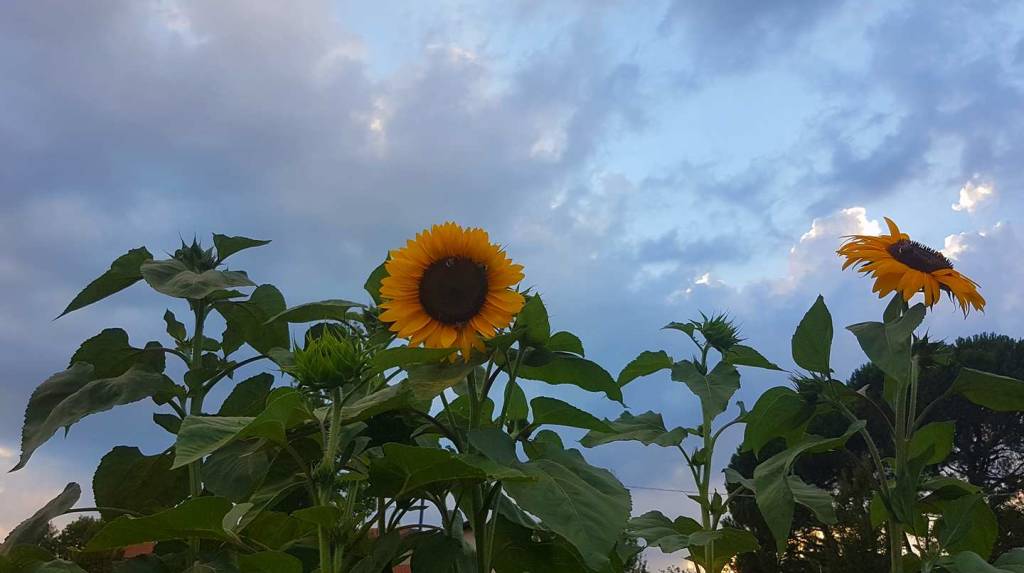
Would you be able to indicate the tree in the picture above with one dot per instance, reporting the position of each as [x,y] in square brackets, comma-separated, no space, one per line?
[988,451]
[69,542]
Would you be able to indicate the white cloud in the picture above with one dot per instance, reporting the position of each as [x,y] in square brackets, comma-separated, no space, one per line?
[972,195]
[953,245]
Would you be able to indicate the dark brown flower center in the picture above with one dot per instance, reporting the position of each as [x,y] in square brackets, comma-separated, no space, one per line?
[919,257]
[453,290]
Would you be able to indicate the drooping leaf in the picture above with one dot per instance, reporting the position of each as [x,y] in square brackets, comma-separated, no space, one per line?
[248,397]
[333,309]
[403,470]
[999,393]
[556,412]
[888,345]
[714,390]
[68,396]
[774,494]
[202,435]
[659,531]
[249,321]
[647,428]
[533,320]
[563,341]
[584,504]
[779,413]
[741,355]
[274,529]
[645,364]
[936,437]
[110,354]
[201,517]
[172,278]
[123,273]
[32,529]
[813,498]
[227,246]
[570,369]
[127,479]
[812,341]
[175,328]
[517,406]
[169,422]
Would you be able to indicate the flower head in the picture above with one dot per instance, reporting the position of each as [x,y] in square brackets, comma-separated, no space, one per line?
[450,287]
[899,264]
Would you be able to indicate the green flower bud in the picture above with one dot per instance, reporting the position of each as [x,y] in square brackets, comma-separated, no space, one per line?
[719,331]
[195,258]
[329,361]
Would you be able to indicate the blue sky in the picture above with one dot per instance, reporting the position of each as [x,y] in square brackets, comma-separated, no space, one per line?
[644,161]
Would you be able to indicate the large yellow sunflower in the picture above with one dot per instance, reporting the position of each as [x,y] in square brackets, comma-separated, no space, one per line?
[908,267]
[450,287]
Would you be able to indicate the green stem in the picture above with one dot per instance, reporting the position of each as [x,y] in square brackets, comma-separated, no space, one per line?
[509,386]
[195,479]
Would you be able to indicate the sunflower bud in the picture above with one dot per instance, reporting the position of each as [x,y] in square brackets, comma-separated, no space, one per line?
[719,331]
[195,258]
[329,361]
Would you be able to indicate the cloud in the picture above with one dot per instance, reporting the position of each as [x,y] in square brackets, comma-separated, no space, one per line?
[972,195]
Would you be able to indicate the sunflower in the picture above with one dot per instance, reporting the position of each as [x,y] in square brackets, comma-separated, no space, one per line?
[450,287]
[908,267]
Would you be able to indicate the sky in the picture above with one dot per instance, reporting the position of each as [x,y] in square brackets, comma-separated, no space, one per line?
[644,161]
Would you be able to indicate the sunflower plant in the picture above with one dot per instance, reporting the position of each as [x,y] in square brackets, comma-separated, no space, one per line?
[321,458]
[933,522]
[528,502]
[713,378]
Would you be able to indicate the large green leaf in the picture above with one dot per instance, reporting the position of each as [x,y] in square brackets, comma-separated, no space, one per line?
[969,562]
[533,320]
[384,552]
[172,278]
[401,356]
[247,321]
[726,543]
[372,284]
[571,369]
[227,246]
[938,436]
[269,562]
[518,548]
[584,504]
[888,344]
[123,273]
[741,355]
[563,341]
[201,517]
[556,412]
[647,428]
[440,553]
[999,393]
[779,413]
[647,363]
[202,435]
[659,531]
[32,529]
[237,469]
[68,396]
[812,341]
[967,524]
[714,390]
[248,397]
[404,470]
[127,479]
[333,309]
[110,354]
[774,491]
